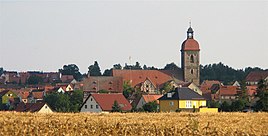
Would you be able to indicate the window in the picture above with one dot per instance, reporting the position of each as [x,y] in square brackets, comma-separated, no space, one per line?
[203,103]
[188,104]
[91,99]
[192,59]
[45,107]
[85,106]
[97,106]
[171,103]
[91,106]
[192,71]
[169,95]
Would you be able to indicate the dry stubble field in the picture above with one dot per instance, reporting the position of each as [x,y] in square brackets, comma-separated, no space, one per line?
[239,124]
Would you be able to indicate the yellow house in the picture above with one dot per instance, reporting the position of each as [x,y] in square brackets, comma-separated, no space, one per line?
[182,98]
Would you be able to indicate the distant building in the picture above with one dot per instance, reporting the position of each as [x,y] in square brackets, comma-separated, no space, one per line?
[104,102]
[181,99]
[148,98]
[254,77]
[39,107]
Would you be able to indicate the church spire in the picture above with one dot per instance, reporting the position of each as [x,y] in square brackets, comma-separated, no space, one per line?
[190,32]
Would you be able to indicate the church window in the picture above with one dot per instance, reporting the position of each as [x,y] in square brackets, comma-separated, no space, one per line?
[192,71]
[192,59]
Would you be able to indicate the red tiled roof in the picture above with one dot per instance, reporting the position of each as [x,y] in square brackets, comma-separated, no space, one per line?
[157,77]
[228,90]
[207,84]
[96,83]
[106,101]
[151,98]
[29,107]
[38,95]
[190,45]
[256,76]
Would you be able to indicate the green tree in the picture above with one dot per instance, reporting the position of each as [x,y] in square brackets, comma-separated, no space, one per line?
[127,89]
[225,106]
[116,107]
[262,94]
[34,80]
[76,100]
[238,105]
[213,104]
[59,102]
[150,106]
[107,72]
[166,88]
[1,71]
[71,69]
[94,70]
[117,66]
[171,66]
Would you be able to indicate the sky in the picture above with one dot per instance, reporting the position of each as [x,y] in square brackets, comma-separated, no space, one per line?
[45,35]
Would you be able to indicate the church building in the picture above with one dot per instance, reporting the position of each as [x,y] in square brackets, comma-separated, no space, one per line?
[190,58]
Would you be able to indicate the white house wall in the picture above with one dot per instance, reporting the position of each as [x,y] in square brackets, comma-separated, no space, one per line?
[87,106]
[45,109]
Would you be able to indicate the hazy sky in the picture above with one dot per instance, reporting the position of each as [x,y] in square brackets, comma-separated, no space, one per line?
[45,35]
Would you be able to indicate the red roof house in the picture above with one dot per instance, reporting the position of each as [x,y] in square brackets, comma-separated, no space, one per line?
[96,102]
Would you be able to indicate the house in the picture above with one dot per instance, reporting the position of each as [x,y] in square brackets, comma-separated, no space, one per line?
[36,95]
[255,76]
[148,81]
[8,98]
[209,88]
[182,98]
[227,93]
[40,107]
[24,94]
[148,98]
[65,86]
[96,102]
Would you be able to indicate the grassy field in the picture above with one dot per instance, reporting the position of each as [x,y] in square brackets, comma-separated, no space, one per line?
[239,124]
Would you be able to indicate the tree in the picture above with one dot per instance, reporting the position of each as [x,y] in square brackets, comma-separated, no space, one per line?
[116,107]
[166,88]
[127,89]
[76,100]
[59,102]
[262,94]
[1,71]
[107,72]
[213,104]
[34,80]
[225,106]
[117,66]
[71,69]
[238,105]
[94,70]
[150,106]
[171,66]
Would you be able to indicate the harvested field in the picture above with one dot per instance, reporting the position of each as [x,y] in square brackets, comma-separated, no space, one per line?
[239,124]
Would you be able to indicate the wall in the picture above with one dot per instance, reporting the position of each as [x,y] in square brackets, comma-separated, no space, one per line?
[90,101]
[208,110]
[197,103]
[166,107]
[45,109]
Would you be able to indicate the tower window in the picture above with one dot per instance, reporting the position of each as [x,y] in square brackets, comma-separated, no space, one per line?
[192,59]
[192,71]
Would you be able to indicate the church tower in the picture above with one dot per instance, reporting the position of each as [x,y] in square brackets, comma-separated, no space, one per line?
[190,58]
